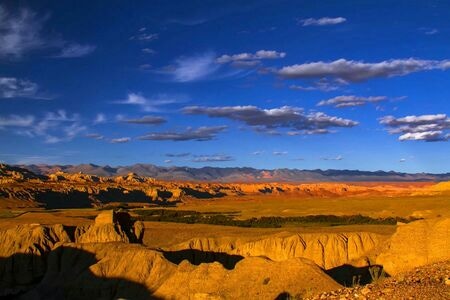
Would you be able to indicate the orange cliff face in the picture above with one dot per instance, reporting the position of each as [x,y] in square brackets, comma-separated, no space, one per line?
[22,188]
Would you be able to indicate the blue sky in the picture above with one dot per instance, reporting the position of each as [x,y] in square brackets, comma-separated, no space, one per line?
[266,84]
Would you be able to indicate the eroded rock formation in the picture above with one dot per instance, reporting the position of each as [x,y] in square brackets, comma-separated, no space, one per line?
[99,262]
[21,188]
[417,244]
[326,250]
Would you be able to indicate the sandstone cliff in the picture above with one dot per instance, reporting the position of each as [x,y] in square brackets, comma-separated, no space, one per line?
[326,250]
[417,244]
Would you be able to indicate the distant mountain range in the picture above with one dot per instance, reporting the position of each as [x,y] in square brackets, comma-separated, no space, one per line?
[215,174]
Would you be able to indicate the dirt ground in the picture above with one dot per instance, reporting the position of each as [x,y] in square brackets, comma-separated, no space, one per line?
[373,206]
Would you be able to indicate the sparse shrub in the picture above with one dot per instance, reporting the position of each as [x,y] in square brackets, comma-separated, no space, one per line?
[356,280]
[227,219]
[377,273]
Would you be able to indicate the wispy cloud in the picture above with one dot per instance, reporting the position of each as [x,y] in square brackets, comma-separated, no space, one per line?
[100,119]
[249,59]
[269,119]
[53,127]
[21,32]
[429,31]
[212,158]
[428,128]
[151,104]
[95,136]
[257,152]
[337,158]
[185,154]
[190,134]
[16,121]
[148,51]
[279,153]
[121,140]
[146,120]
[144,35]
[357,71]
[75,50]
[190,21]
[192,68]
[11,87]
[322,21]
[351,101]
[323,85]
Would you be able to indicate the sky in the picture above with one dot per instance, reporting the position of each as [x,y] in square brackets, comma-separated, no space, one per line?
[266,84]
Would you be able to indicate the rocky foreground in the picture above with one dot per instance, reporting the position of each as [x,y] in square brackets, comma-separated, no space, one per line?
[422,283]
[107,260]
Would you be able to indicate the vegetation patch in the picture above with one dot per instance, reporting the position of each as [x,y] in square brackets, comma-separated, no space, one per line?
[228,219]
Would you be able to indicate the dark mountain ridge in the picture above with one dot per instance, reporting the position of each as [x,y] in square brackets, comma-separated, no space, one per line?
[238,174]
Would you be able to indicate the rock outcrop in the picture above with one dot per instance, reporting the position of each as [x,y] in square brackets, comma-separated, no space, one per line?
[326,250]
[24,248]
[118,270]
[417,244]
[252,278]
[23,251]
[110,226]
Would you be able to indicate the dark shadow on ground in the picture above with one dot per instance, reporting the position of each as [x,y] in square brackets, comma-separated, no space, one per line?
[202,194]
[76,199]
[62,274]
[197,257]
[348,275]
[73,199]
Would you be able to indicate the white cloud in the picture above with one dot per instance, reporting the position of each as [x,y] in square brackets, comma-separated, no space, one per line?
[322,21]
[121,140]
[429,128]
[351,101]
[356,71]
[250,57]
[190,134]
[152,104]
[212,158]
[266,120]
